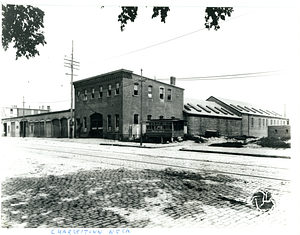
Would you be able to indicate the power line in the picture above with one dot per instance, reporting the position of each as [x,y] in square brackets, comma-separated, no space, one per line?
[157,44]
[231,76]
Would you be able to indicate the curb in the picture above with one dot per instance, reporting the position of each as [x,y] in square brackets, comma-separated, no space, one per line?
[136,146]
[235,153]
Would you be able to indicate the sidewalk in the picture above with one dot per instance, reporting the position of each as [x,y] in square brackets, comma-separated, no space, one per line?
[254,152]
[194,147]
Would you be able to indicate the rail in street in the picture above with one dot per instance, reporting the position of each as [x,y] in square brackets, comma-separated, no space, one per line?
[72,185]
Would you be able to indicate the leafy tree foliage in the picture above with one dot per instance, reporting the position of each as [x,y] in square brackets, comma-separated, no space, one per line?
[22,26]
[212,15]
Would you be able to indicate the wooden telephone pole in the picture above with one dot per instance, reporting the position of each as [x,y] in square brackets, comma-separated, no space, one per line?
[72,64]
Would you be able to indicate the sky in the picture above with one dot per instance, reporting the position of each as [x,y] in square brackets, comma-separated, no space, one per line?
[261,41]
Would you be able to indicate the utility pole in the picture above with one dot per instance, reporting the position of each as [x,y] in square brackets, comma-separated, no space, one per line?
[71,63]
[23,118]
[141,136]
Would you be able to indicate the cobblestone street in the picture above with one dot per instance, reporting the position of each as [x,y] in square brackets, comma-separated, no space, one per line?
[67,193]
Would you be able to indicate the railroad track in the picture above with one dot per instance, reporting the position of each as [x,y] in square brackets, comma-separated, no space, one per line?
[138,161]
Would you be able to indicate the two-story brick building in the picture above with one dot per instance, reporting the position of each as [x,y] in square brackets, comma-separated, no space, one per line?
[112,105]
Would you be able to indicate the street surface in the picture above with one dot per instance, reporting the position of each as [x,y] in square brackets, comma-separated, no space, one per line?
[61,183]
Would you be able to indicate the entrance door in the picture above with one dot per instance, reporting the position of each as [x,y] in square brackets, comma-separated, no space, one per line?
[36,129]
[56,129]
[42,129]
[96,130]
[48,129]
[13,129]
[64,128]
[5,129]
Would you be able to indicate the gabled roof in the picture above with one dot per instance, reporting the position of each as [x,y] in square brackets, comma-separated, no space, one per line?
[207,108]
[247,108]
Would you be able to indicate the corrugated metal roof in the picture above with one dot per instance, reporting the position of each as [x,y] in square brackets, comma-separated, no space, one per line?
[207,108]
[248,108]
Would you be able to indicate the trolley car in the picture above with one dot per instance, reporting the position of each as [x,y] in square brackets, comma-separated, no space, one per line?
[166,129]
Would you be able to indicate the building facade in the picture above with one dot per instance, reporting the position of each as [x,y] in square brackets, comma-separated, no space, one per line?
[50,124]
[208,116]
[14,111]
[112,105]
[255,119]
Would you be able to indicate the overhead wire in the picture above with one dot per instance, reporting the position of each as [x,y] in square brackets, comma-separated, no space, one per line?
[231,76]
[157,44]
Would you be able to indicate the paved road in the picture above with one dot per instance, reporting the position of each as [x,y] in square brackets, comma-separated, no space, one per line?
[53,183]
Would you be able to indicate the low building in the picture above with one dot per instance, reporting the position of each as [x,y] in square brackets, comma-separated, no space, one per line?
[113,105]
[255,119]
[209,117]
[14,111]
[50,124]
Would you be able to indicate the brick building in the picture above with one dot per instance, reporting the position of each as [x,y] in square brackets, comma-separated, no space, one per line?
[109,105]
[208,116]
[255,119]
[50,124]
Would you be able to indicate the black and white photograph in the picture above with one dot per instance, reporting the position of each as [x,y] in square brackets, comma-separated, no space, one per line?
[140,116]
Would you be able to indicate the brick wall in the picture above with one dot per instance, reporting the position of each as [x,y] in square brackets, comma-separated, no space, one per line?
[197,125]
[279,131]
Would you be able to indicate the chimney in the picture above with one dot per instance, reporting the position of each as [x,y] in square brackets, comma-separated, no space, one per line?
[173,81]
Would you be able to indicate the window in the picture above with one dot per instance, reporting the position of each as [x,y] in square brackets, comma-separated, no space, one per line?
[108,122]
[150,92]
[11,111]
[109,90]
[135,119]
[84,124]
[85,94]
[271,122]
[31,129]
[78,96]
[100,92]
[169,94]
[117,120]
[117,88]
[93,93]
[266,122]
[8,129]
[263,122]
[161,93]
[149,117]
[259,122]
[135,89]
[252,122]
